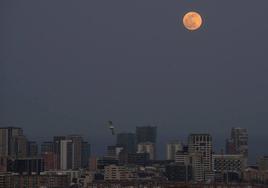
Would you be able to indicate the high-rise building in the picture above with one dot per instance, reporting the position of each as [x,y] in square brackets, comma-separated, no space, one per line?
[172,148]
[202,143]
[146,134]
[238,143]
[147,147]
[32,149]
[200,152]
[66,154]
[57,148]
[77,141]
[6,135]
[19,147]
[85,154]
[47,147]
[127,141]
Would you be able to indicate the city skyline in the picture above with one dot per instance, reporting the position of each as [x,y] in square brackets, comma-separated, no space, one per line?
[66,67]
[141,90]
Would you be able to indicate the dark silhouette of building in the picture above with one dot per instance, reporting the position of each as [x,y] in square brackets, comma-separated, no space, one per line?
[146,134]
[86,149]
[179,172]
[26,166]
[127,141]
[47,147]
[32,149]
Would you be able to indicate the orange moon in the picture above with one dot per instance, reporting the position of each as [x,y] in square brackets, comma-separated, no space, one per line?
[192,21]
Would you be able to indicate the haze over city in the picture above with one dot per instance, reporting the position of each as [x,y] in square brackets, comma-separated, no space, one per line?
[70,66]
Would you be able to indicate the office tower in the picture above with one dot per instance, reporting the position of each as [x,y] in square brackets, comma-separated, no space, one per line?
[57,148]
[172,148]
[146,134]
[77,141]
[263,163]
[66,154]
[127,141]
[32,149]
[147,147]
[47,147]
[238,143]
[85,154]
[6,134]
[19,146]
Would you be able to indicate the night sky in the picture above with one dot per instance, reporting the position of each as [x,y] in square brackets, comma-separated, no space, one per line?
[69,66]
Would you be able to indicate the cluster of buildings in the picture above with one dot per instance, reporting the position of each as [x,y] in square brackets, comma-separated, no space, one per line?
[24,163]
[66,161]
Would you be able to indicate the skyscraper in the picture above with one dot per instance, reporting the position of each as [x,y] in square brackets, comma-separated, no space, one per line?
[202,143]
[146,134]
[77,141]
[127,141]
[19,147]
[172,148]
[85,154]
[66,154]
[57,148]
[6,135]
[238,143]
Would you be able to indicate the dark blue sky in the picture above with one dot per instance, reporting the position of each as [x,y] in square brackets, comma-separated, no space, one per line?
[69,66]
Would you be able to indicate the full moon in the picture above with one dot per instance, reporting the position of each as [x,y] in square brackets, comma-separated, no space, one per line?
[192,21]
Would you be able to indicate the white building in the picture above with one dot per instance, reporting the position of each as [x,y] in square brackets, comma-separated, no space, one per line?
[66,154]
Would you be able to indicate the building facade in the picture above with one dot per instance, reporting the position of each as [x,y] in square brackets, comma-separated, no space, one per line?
[147,147]
[171,149]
